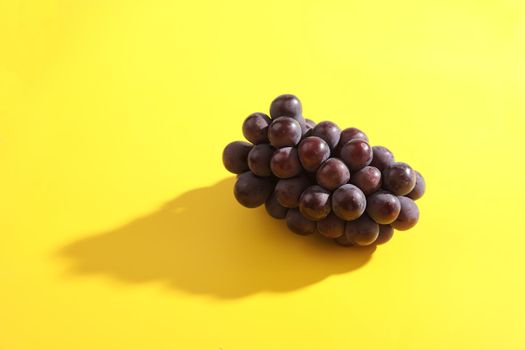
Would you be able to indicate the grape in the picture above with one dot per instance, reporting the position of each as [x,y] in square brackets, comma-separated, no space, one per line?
[286,105]
[383,207]
[343,240]
[299,224]
[310,123]
[350,134]
[348,202]
[382,157]
[289,190]
[259,159]
[331,226]
[312,152]
[235,156]
[332,174]
[408,216]
[274,208]
[367,179]
[356,154]
[255,128]
[419,188]
[363,231]
[285,163]
[252,191]
[386,232]
[399,178]
[314,203]
[329,132]
[284,132]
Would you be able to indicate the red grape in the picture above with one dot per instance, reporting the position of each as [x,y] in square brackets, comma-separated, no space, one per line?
[367,179]
[332,174]
[285,163]
[408,216]
[255,128]
[348,202]
[313,151]
[356,154]
[399,178]
[235,156]
[314,203]
[383,207]
[252,191]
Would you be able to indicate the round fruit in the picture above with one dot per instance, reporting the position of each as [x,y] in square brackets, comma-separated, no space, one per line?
[235,156]
[313,151]
[356,154]
[383,207]
[408,216]
[419,188]
[382,157]
[348,202]
[274,208]
[259,159]
[331,226]
[252,191]
[284,132]
[297,223]
[255,128]
[285,163]
[332,174]
[367,179]
[363,231]
[314,203]
[399,178]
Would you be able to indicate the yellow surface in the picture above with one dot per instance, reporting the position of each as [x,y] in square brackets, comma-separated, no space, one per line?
[118,229]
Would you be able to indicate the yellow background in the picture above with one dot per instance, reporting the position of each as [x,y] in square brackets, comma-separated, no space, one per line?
[118,228]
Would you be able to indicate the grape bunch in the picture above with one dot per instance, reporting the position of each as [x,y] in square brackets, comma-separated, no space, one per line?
[322,179]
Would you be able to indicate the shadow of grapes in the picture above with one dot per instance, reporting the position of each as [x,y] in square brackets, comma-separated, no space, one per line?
[203,242]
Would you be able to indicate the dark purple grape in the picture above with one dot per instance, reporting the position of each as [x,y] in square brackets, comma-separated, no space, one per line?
[314,203]
[383,207]
[367,179]
[252,191]
[286,105]
[419,188]
[313,151]
[349,134]
[329,132]
[310,123]
[386,232]
[285,163]
[298,224]
[332,174]
[356,154]
[343,240]
[235,156]
[255,128]
[288,191]
[363,231]
[259,159]
[408,216]
[284,132]
[275,209]
[382,157]
[331,226]
[399,178]
[348,202]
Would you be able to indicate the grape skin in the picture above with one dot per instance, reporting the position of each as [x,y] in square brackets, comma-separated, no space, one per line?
[313,151]
[356,154]
[298,224]
[331,226]
[252,191]
[383,207]
[255,128]
[367,179]
[419,188]
[408,216]
[288,191]
[348,202]
[284,132]
[386,232]
[332,174]
[259,159]
[314,203]
[363,231]
[399,178]
[285,163]
[235,156]
[382,157]
[329,132]
[275,209]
